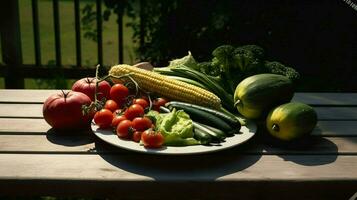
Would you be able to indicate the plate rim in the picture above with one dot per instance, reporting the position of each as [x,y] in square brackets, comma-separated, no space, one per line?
[172,150]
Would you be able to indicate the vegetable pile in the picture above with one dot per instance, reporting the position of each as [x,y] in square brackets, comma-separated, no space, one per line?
[188,102]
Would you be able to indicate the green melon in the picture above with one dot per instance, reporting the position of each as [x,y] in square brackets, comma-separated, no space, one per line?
[291,121]
[257,94]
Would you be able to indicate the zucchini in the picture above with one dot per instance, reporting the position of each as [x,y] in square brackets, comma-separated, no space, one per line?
[216,137]
[201,115]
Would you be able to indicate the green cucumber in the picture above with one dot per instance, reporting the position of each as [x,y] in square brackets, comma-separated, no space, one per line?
[229,118]
[202,136]
[216,136]
[220,132]
[202,116]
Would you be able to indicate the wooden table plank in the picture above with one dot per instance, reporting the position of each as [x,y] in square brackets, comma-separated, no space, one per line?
[21,110]
[152,190]
[39,126]
[327,98]
[89,144]
[206,167]
[336,113]
[25,96]
[23,125]
[48,143]
[35,111]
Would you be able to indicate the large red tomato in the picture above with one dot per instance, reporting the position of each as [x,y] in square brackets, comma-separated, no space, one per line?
[64,110]
[87,86]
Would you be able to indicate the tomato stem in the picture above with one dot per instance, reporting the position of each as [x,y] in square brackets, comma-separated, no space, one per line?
[96,83]
[88,81]
[65,95]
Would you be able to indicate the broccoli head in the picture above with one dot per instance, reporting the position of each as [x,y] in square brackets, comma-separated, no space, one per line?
[223,51]
[258,51]
[279,68]
[246,60]
[209,69]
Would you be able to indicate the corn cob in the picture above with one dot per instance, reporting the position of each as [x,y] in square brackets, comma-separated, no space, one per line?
[166,87]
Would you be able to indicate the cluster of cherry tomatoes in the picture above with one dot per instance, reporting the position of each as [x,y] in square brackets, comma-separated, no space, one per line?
[126,117]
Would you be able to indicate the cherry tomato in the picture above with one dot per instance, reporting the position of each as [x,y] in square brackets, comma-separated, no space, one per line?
[145,97]
[103,118]
[133,111]
[117,119]
[111,105]
[158,102]
[152,139]
[141,123]
[137,136]
[118,93]
[125,129]
[141,102]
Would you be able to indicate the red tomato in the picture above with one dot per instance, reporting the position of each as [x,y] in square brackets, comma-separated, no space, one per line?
[125,129]
[103,118]
[152,139]
[87,86]
[137,136]
[133,111]
[141,102]
[141,123]
[111,105]
[64,110]
[121,103]
[156,103]
[145,97]
[117,119]
[118,93]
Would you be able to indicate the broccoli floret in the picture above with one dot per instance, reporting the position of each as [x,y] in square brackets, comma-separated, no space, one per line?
[245,60]
[279,68]
[223,51]
[209,69]
[223,57]
[258,51]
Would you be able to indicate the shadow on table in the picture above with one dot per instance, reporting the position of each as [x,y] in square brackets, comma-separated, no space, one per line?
[207,166]
[315,149]
[69,138]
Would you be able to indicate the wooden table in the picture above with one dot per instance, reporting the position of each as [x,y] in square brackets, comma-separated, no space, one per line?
[34,160]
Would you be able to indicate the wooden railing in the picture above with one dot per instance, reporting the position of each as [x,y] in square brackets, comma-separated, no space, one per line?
[13,69]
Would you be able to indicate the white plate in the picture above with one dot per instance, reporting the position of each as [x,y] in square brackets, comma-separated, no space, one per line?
[108,136]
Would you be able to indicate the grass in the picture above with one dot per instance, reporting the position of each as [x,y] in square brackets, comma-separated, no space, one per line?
[89,48]
[67,32]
